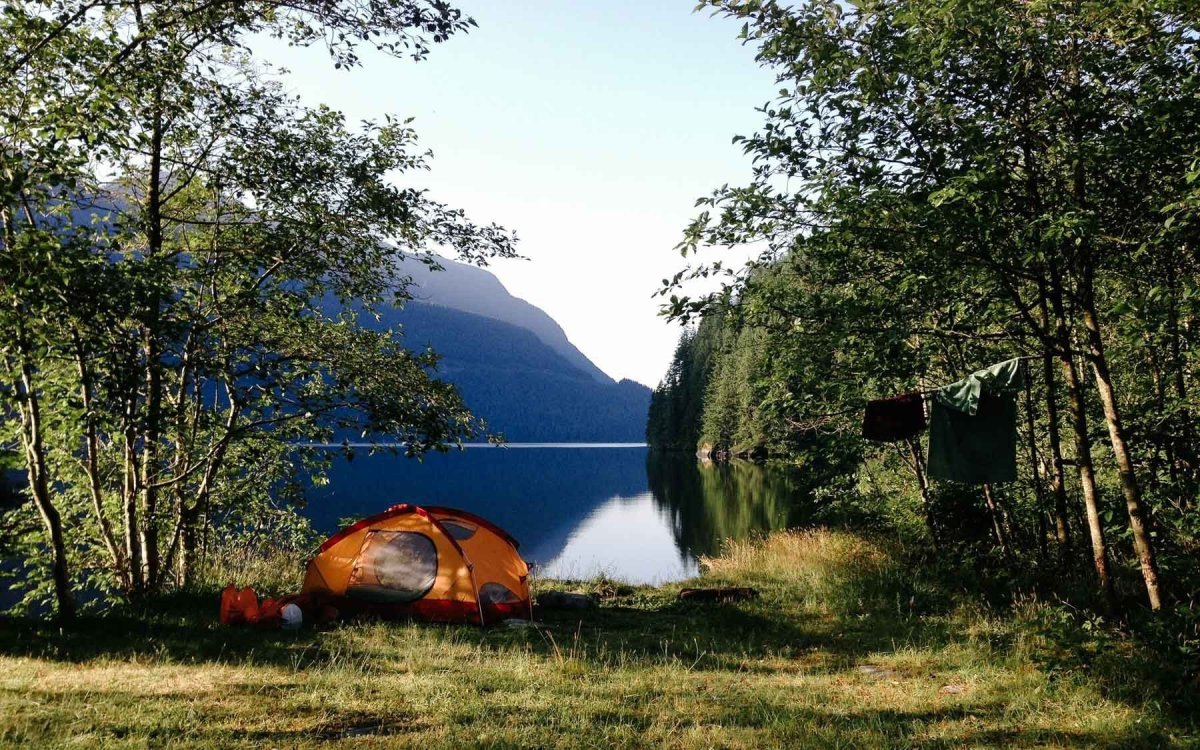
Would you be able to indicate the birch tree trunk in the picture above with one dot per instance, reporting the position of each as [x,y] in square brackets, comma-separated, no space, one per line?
[1083,447]
[1134,507]
[37,470]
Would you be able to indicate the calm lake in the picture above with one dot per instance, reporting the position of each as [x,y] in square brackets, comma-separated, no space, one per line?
[579,510]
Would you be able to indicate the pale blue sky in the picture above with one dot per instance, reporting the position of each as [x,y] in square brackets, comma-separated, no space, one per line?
[589,128]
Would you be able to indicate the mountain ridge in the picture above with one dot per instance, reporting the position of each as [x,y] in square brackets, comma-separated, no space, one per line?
[519,386]
[475,290]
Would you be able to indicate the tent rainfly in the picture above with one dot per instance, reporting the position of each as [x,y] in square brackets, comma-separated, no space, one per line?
[428,563]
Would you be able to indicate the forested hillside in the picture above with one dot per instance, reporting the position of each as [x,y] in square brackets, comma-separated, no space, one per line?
[513,364]
[677,405]
[470,289]
[518,385]
[716,397]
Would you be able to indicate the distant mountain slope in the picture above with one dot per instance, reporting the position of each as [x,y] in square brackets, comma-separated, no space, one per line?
[475,290]
[513,364]
[520,386]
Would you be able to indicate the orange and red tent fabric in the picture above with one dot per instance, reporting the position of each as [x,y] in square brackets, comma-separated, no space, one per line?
[431,563]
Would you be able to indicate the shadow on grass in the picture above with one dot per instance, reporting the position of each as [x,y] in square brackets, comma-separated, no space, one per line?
[172,717]
[730,634]
[980,724]
[186,630]
[180,628]
[960,725]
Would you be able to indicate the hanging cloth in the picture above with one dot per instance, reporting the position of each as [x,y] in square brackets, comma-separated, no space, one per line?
[898,418]
[973,427]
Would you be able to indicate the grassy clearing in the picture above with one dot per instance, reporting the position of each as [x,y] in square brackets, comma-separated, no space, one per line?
[843,649]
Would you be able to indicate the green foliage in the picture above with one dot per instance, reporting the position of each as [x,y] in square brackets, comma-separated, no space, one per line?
[173,223]
[942,186]
[263,547]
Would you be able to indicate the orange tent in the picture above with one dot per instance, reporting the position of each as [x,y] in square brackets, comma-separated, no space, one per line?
[437,564]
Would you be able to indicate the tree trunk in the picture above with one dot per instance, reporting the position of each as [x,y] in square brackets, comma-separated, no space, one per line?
[1083,447]
[39,484]
[1035,463]
[997,524]
[186,569]
[129,492]
[1136,511]
[36,465]
[1078,190]
[923,484]
[149,465]
[153,375]
[63,595]
[181,552]
[92,467]
[1058,484]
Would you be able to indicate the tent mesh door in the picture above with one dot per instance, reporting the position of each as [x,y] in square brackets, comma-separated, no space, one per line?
[394,567]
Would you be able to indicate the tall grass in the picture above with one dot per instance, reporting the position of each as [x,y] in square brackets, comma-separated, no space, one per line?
[270,571]
[833,571]
[268,554]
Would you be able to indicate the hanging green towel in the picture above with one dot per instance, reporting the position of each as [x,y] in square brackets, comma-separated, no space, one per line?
[973,427]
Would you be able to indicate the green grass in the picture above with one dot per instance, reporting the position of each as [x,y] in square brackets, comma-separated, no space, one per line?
[844,649]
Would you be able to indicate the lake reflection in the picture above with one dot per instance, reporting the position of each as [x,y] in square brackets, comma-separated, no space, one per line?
[623,511]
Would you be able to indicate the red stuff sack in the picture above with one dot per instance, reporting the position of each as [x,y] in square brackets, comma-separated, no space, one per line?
[239,606]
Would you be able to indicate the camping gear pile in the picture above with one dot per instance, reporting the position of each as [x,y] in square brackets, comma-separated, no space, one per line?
[428,563]
[242,607]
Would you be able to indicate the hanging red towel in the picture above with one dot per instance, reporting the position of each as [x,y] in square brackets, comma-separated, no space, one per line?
[889,419]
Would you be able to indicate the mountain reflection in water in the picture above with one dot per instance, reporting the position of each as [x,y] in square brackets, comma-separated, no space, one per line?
[629,513]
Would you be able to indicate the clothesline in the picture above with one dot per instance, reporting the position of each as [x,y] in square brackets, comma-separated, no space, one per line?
[858,409]
[1022,358]
[972,423]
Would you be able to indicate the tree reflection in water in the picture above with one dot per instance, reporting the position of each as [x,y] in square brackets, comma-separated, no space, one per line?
[709,503]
